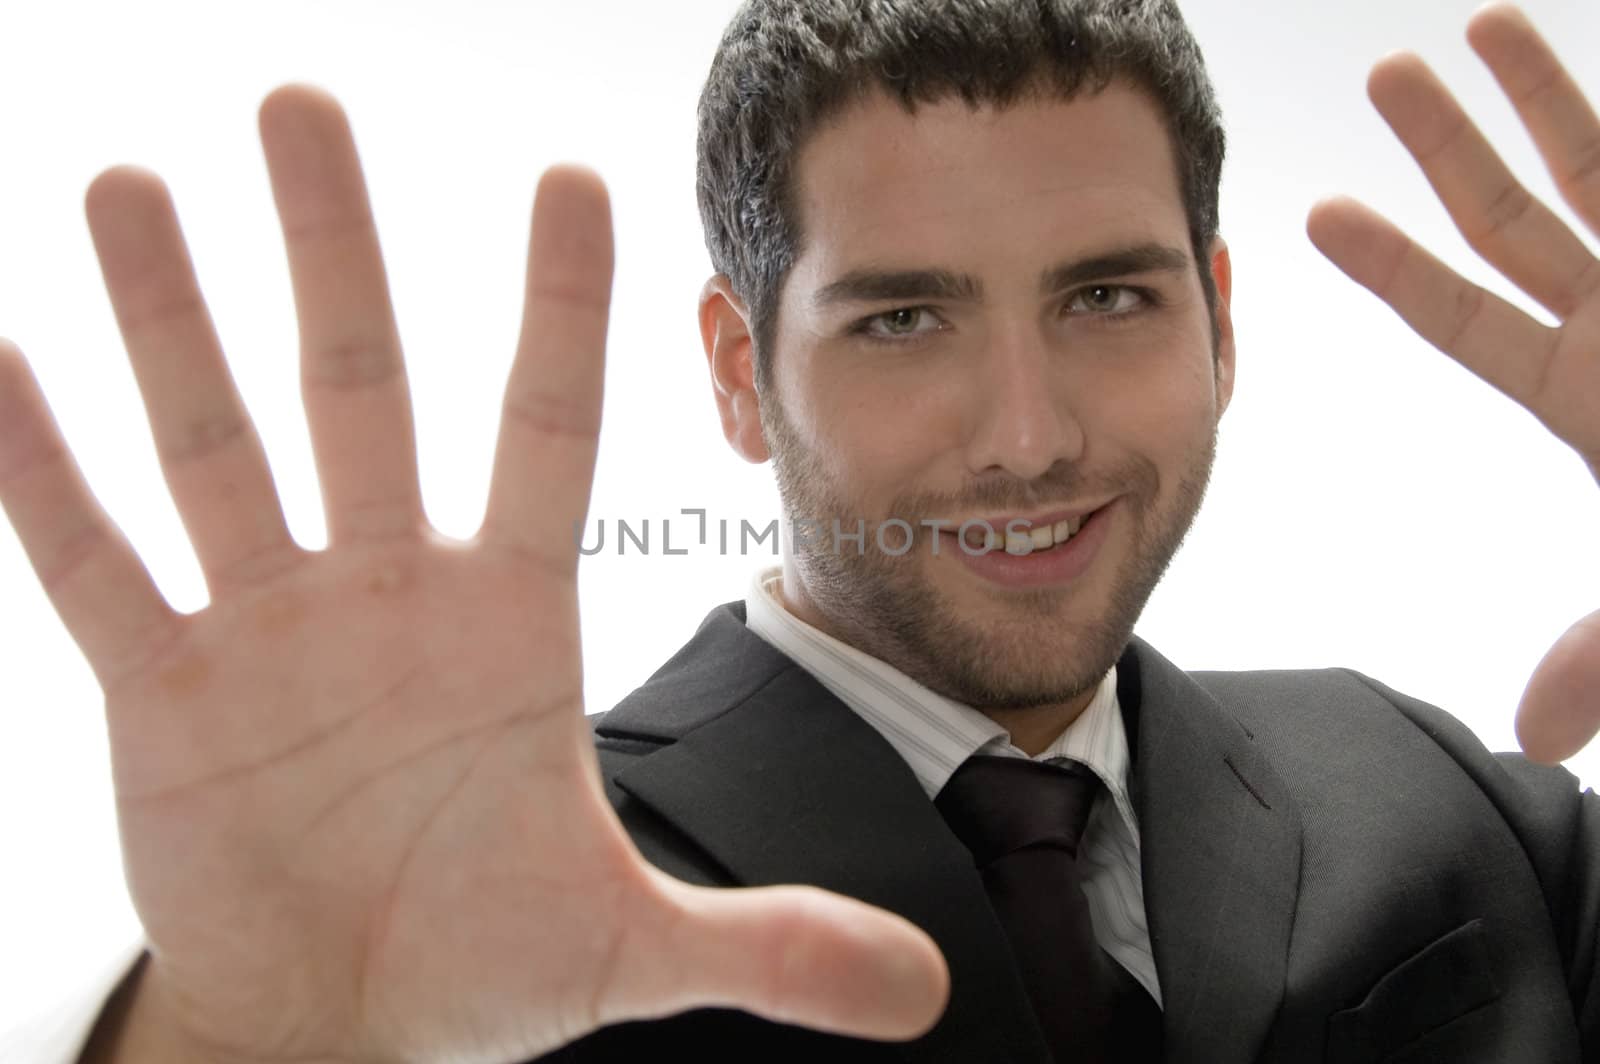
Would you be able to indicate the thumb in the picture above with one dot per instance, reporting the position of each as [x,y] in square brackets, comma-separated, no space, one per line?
[791,954]
[1560,709]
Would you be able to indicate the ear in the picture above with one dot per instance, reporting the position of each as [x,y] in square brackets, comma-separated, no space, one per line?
[1222,274]
[725,331]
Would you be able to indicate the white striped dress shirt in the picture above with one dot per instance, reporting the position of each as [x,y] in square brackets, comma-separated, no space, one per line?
[935,735]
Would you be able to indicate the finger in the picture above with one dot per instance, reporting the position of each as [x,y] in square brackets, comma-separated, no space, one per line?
[1502,221]
[1560,709]
[352,377]
[1563,124]
[210,454]
[91,575]
[791,954]
[1489,336]
[550,424]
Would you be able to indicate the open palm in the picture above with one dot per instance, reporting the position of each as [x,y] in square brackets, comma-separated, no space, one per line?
[1553,371]
[359,804]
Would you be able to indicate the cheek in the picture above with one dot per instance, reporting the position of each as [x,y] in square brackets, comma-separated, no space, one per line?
[877,438]
[1171,404]
[1148,399]
[1167,416]
[901,435]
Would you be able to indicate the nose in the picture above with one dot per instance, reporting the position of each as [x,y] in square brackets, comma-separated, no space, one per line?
[1022,415]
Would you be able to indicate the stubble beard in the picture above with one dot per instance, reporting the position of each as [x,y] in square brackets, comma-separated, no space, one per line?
[1025,654]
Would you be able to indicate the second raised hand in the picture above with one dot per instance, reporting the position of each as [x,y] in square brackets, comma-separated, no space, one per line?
[359,804]
[1552,371]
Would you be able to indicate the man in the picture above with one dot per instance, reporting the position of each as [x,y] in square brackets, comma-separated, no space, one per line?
[362,816]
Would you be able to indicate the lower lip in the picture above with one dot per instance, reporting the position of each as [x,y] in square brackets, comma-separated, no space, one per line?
[1057,565]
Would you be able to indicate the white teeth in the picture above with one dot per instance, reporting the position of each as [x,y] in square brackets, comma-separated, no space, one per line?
[1042,538]
[1022,542]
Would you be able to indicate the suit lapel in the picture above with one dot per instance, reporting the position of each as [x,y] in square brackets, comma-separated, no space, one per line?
[782,783]
[1220,859]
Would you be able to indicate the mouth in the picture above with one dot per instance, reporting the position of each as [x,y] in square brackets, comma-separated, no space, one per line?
[1021,536]
[1020,562]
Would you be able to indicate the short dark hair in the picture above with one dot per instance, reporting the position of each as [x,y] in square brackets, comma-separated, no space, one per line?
[785,66]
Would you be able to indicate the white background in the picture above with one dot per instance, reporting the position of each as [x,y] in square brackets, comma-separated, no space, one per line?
[1374,505]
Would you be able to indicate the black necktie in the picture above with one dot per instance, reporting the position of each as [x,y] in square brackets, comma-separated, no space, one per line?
[1022,820]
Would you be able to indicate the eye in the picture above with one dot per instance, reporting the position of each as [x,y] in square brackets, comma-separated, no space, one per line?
[1111,301]
[898,325]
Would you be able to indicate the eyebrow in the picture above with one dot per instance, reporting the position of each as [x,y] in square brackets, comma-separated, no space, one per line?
[1139,258]
[879,286]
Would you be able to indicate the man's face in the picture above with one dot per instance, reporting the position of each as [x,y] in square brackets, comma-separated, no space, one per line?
[999,383]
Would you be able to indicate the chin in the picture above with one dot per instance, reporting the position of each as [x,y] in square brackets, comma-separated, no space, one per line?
[1014,659]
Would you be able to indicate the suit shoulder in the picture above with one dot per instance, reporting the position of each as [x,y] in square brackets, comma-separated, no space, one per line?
[1324,704]
[1301,716]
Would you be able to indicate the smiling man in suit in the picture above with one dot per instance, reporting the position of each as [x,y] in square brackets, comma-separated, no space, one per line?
[972,302]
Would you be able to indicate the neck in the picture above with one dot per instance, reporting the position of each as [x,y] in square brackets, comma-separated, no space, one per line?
[1035,728]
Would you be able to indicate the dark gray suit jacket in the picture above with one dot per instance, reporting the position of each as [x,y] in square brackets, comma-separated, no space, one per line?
[1333,871]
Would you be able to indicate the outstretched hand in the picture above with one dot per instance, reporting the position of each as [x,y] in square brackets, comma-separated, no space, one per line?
[1552,371]
[359,804]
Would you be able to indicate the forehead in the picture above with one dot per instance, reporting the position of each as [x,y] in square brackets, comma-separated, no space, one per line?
[878,183]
